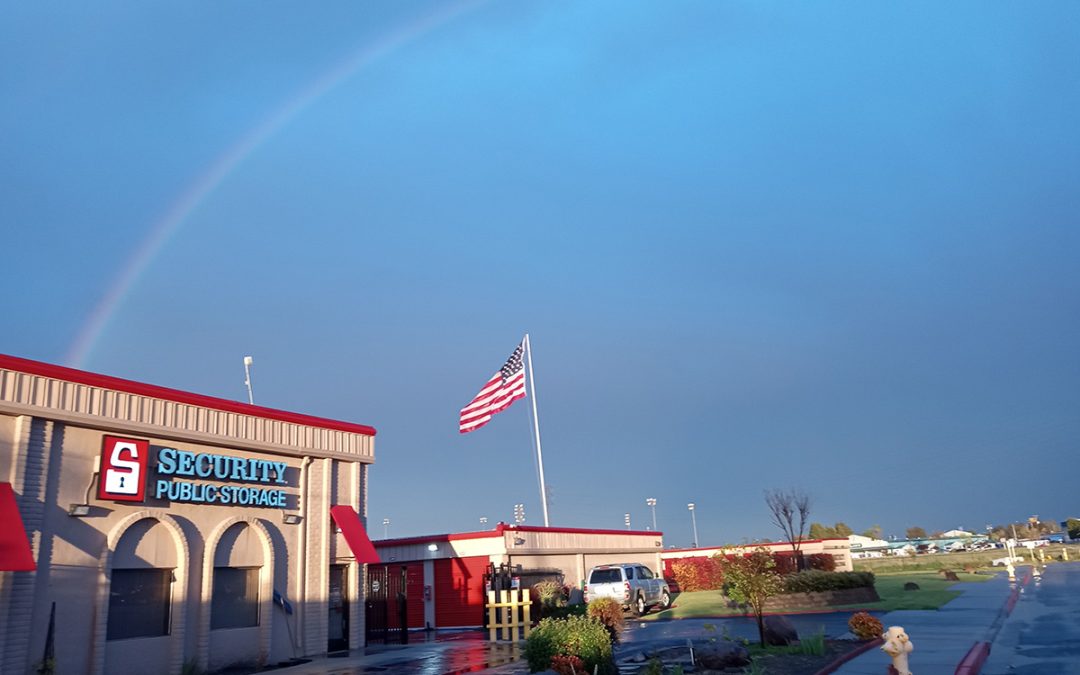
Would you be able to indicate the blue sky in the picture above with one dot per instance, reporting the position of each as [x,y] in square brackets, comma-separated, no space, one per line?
[756,245]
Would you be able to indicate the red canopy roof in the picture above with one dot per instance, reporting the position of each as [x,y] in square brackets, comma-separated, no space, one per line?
[15,553]
[349,522]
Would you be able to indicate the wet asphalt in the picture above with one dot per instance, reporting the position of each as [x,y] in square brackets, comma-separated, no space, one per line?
[1040,635]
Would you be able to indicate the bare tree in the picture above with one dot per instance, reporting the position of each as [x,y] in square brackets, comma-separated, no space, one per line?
[790,509]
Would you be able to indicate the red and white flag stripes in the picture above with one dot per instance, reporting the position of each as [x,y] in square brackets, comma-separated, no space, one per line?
[505,386]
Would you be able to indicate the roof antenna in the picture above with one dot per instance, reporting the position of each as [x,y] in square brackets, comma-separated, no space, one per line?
[247,378]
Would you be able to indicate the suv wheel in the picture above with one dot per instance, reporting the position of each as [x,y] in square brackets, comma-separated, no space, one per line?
[640,608]
[665,600]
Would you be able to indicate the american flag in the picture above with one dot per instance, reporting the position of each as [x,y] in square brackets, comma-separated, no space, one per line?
[504,387]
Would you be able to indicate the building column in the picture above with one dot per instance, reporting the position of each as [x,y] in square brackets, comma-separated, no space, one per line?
[357,571]
[19,610]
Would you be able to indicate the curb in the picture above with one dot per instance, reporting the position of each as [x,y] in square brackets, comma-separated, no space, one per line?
[844,658]
[973,661]
[975,658]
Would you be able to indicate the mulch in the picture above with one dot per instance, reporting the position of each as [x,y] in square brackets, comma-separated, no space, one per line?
[804,664]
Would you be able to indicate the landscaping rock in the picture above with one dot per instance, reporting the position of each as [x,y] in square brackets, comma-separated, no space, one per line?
[779,631]
[721,655]
[949,575]
[911,586]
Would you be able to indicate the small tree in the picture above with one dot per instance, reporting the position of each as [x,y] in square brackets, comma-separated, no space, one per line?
[1073,526]
[819,531]
[751,580]
[790,509]
[842,530]
[874,532]
[916,533]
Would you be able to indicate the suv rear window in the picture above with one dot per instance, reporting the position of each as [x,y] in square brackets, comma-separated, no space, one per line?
[605,576]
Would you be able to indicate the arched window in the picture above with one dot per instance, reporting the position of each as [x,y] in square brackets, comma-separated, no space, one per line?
[141,584]
[238,566]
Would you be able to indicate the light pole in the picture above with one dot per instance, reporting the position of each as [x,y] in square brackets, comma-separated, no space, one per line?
[483,521]
[519,513]
[626,519]
[651,503]
[247,378]
[693,521]
[385,528]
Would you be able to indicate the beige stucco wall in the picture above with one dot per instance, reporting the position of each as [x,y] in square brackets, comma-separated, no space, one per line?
[50,437]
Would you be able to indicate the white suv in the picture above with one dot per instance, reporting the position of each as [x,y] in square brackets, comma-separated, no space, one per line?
[632,585]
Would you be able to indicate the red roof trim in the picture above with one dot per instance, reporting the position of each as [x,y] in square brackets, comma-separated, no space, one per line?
[770,544]
[575,530]
[498,532]
[132,387]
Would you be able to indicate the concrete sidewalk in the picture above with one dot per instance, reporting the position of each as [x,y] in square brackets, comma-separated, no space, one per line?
[942,638]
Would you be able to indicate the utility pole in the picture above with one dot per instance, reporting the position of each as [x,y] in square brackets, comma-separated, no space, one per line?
[247,378]
[693,520]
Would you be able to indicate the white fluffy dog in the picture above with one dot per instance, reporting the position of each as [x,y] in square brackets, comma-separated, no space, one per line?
[898,646]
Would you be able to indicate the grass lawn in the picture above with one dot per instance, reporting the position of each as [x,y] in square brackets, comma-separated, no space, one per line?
[958,561]
[933,593]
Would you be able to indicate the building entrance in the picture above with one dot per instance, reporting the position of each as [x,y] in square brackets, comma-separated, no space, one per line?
[338,626]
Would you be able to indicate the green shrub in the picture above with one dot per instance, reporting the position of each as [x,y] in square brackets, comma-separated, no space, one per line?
[816,581]
[654,667]
[551,594]
[580,636]
[813,645]
[865,626]
[608,612]
[563,612]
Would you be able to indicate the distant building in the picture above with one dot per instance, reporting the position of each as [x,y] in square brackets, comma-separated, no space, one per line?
[956,533]
[444,577]
[867,547]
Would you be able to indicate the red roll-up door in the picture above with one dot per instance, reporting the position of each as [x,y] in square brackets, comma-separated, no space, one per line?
[414,578]
[459,591]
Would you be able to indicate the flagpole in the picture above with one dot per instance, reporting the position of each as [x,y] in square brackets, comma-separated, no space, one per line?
[536,427]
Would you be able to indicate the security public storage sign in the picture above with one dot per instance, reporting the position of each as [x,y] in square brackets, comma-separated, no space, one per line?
[124,463]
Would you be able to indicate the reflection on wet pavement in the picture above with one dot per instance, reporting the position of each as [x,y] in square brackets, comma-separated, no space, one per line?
[468,651]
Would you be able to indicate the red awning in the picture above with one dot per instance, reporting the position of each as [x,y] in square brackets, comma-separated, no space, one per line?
[349,522]
[15,553]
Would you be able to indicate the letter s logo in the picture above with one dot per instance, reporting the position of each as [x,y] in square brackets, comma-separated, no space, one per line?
[123,477]
[123,469]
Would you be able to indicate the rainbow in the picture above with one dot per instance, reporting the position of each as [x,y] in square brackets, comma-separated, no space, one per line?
[225,164]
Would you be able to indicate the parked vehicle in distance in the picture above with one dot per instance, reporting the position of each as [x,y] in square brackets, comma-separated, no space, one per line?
[633,586]
[1005,561]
